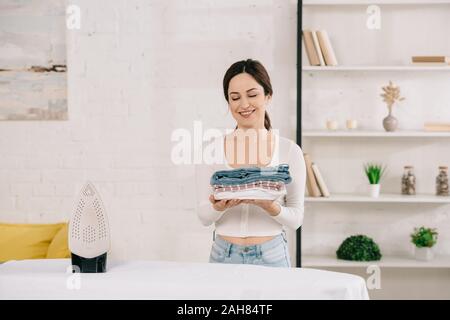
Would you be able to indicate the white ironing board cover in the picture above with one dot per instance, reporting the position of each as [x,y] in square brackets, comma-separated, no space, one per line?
[158,280]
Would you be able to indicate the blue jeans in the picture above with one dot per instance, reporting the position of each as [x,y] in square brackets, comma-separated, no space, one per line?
[272,253]
[252,174]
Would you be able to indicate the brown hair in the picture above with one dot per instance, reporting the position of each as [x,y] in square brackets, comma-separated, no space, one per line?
[258,72]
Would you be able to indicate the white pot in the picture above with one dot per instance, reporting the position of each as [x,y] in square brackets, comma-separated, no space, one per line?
[424,254]
[374,190]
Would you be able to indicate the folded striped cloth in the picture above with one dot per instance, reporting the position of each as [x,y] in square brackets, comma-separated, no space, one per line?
[267,183]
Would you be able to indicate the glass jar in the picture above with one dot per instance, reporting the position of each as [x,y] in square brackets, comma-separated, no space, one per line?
[408,181]
[442,181]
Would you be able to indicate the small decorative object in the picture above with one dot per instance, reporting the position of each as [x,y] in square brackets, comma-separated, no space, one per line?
[442,182]
[408,181]
[359,248]
[390,96]
[424,239]
[374,172]
[352,124]
[332,125]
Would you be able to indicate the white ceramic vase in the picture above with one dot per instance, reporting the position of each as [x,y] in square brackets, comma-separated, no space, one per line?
[374,190]
[424,254]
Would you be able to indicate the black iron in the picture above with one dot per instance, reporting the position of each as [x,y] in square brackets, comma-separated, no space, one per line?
[88,265]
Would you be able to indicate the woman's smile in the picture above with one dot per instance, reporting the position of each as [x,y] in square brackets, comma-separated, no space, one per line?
[247,113]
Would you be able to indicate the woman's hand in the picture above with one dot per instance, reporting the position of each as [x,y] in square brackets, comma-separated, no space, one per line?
[220,205]
[270,206]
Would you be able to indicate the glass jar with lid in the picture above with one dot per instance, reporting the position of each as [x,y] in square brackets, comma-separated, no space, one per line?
[408,181]
[442,181]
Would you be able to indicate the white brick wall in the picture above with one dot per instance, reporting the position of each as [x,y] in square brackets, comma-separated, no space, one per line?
[137,70]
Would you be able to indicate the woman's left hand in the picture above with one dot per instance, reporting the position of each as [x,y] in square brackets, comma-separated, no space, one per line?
[271,206]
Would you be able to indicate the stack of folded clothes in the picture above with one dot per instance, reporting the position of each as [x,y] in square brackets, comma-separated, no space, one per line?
[266,183]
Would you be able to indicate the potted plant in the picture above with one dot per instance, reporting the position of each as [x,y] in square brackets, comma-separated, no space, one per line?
[424,239]
[359,248]
[374,172]
[391,94]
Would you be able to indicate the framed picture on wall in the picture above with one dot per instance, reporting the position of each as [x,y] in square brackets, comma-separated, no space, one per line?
[33,81]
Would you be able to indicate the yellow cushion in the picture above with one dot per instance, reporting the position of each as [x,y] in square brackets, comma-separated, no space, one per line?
[26,241]
[59,247]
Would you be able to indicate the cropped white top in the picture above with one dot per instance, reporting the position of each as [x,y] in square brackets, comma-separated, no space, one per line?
[246,220]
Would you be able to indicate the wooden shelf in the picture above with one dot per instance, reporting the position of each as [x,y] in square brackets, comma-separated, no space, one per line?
[376,68]
[387,262]
[368,2]
[383,198]
[356,133]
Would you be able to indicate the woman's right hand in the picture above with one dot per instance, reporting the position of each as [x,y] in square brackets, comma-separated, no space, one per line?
[220,205]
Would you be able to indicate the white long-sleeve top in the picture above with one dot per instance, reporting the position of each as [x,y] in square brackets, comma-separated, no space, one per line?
[246,220]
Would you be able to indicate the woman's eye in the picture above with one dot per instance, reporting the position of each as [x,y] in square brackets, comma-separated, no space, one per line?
[237,98]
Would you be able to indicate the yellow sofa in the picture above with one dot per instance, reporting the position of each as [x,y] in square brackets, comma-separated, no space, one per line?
[33,241]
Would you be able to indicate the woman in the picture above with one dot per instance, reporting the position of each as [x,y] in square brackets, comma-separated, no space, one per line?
[251,231]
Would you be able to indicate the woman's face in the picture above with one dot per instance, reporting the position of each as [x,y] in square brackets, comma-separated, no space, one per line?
[247,101]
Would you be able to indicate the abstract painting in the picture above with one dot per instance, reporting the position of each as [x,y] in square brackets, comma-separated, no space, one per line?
[33,81]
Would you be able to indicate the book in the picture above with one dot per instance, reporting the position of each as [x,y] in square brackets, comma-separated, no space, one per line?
[327,49]
[432,64]
[322,186]
[317,47]
[437,126]
[310,49]
[433,59]
[308,181]
[311,183]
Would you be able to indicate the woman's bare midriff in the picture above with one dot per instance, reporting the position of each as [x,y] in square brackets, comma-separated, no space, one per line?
[249,241]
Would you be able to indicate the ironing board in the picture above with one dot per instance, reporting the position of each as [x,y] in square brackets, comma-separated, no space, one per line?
[158,280]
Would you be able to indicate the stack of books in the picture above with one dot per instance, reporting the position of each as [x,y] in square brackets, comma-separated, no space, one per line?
[318,48]
[431,60]
[315,184]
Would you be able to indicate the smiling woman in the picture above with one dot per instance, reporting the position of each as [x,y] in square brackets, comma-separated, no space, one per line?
[248,90]
[251,231]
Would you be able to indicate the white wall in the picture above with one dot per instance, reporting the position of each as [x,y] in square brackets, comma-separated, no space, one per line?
[405,31]
[137,70]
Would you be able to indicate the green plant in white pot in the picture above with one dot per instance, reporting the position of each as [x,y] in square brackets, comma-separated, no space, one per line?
[424,239]
[374,172]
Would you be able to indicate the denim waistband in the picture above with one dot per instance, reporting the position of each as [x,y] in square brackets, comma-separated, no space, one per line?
[229,247]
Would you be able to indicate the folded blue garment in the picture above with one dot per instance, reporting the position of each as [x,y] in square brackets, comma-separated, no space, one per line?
[252,174]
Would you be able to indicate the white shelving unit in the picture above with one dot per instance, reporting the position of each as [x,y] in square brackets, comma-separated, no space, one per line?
[373,133]
[377,68]
[368,2]
[383,198]
[349,198]
[386,262]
